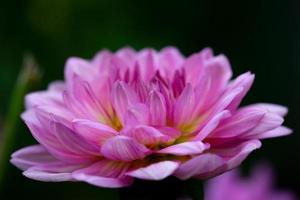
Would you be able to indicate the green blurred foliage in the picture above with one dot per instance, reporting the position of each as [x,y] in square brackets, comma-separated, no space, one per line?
[261,36]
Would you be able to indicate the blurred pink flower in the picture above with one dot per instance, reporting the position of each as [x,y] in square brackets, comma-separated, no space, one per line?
[145,115]
[259,187]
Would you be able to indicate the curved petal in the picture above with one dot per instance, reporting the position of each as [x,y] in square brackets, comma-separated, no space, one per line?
[93,131]
[104,173]
[185,148]
[157,109]
[147,135]
[156,171]
[218,70]
[122,148]
[147,63]
[212,125]
[73,142]
[243,120]
[184,106]
[267,123]
[277,132]
[202,164]
[122,98]
[136,114]
[245,81]
[47,176]
[128,55]
[31,156]
[53,172]
[169,60]
[216,161]
[273,108]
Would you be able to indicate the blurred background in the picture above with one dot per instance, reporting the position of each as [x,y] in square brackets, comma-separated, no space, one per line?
[260,36]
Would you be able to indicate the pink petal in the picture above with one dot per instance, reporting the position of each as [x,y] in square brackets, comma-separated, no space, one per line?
[268,122]
[212,125]
[238,154]
[277,132]
[102,60]
[56,113]
[49,140]
[47,176]
[243,120]
[93,131]
[184,106]
[122,148]
[243,81]
[31,156]
[128,55]
[274,108]
[185,148]
[147,61]
[157,109]
[53,96]
[194,68]
[147,135]
[122,98]
[234,154]
[216,161]
[104,173]
[73,142]
[52,172]
[136,115]
[79,67]
[201,164]
[219,71]
[169,59]
[156,171]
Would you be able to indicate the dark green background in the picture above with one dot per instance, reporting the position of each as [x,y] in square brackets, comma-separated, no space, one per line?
[259,35]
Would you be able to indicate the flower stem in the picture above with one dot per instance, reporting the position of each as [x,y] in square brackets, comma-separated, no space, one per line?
[28,75]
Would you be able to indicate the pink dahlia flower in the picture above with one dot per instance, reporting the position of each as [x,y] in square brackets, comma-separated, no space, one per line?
[146,115]
[259,187]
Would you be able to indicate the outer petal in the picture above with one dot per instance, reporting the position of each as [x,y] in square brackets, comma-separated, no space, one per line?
[104,173]
[156,171]
[74,142]
[243,81]
[216,161]
[47,176]
[268,122]
[31,156]
[277,132]
[122,148]
[53,96]
[219,72]
[202,164]
[243,120]
[53,172]
[80,67]
[273,108]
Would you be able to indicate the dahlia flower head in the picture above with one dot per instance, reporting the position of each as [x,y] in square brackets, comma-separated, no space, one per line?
[258,186]
[146,115]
